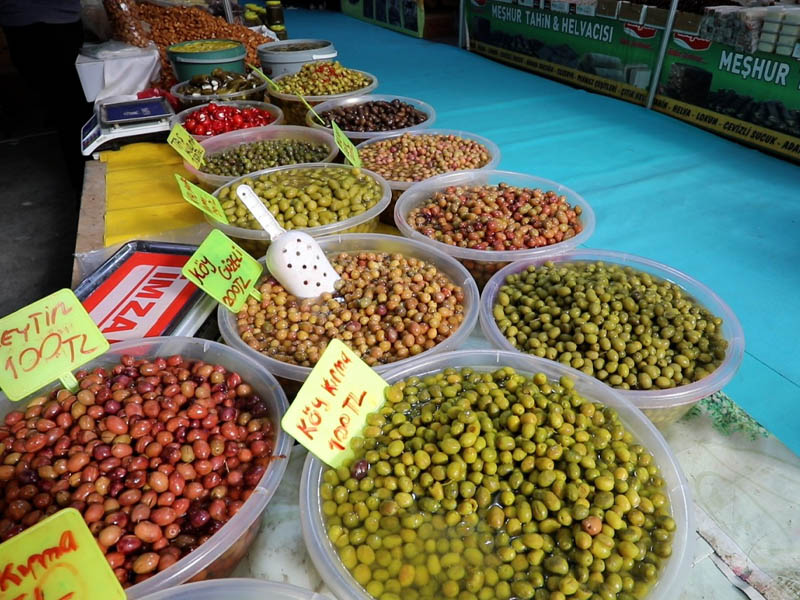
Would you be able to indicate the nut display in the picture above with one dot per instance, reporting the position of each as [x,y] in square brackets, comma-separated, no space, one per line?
[417,157]
[625,327]
[247,158]
[374,116]
[386,307]
[498,485]
[156,454]
[323,78]
[123,16]
[496,217]
[214,119]
[304,197]
[220,82]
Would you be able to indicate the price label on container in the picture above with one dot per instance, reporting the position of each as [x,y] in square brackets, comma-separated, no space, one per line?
[44,342]
[311,109]
[224,271]
[199,198]
[185,145]
[56,559]
[346,146]
[332,406]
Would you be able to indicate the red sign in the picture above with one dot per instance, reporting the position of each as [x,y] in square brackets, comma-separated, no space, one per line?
[640,32]
[142,297]
[692,42]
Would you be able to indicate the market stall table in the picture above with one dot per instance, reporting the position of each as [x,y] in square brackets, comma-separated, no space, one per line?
[723,213]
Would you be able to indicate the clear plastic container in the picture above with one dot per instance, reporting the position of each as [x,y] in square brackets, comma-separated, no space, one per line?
[184,114]
[673,574]
[662,407]
[223,551]
[240,589]
[226,141]
[286,57]
[295,111]
[359,136]
[257,94]
[399,187]
[256,241]
[335,244]
[485,263]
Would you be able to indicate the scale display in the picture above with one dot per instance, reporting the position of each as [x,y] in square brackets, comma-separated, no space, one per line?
[90,132]
[124,122]
[135,111]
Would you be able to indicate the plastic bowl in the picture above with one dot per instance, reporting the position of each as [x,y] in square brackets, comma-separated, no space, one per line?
[187,64]
[281,58]
[662,407]
[335,244]
[242,104]
[256,241]
[485,263]
[399,187]
[257,94]
[295,111]
[240,589]
[360,136]
[225,141]
[674,573]
[223,551]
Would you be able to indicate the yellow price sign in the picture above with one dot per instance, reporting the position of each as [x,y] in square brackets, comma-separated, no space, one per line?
[56,559]
[346,146]
[199,198]
[185,145]
[260,73]
[44,342]
[224,271]
[332,406]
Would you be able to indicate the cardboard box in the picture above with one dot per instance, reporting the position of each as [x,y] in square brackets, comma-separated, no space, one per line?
[687,22]
[90,72]
[607,8]
[656,17]
[633,13]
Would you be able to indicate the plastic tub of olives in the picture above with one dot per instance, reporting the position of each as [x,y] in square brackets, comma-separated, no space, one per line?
[336,244]
[256,241]
[240,589]
[359,136]
[232,139]
[662,406]
[673,573]
[218,556]
[483,264]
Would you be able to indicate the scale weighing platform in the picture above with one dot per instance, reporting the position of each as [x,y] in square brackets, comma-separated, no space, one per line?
[126,122]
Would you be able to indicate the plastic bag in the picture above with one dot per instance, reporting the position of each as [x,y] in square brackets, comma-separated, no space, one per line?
[125,22]
[95,20]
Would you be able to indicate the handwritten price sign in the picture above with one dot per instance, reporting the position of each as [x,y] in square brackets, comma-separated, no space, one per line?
[346,146]
[56,559]
[45,341]
[224,271]
[332,406]
[184,144]
[199,198]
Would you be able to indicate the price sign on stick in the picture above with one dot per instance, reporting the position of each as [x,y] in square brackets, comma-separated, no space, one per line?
[224,271]
[44,342]
[56,559]
[311,108]
[332,406]
[199,198]
[185,145]
[346,146]
[260,73]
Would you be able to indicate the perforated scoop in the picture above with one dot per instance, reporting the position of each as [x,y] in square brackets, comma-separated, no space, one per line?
[293,258]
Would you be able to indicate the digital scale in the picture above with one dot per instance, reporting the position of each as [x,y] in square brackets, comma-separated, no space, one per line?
[120,123]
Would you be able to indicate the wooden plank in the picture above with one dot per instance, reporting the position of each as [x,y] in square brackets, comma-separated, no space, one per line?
[92,217]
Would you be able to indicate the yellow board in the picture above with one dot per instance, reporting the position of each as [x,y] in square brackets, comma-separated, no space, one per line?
[57,559]
[332,406]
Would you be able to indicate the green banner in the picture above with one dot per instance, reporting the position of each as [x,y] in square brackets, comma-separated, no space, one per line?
[405,16]
[605,55]
[760,88]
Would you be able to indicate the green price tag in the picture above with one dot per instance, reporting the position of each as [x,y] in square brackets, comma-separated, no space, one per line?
[44,342]
[260,73]
[188,147]
[57,559]
[332,406]
[346,146]
[224,271]
[199,198]
[311,108]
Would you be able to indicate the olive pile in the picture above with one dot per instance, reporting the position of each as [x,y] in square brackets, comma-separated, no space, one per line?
[483,486]
[323,78]
[304,197]
[625,327]
[265,154]
[376,115]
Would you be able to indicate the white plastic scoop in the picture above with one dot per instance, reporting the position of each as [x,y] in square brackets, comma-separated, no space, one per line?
[293,258]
